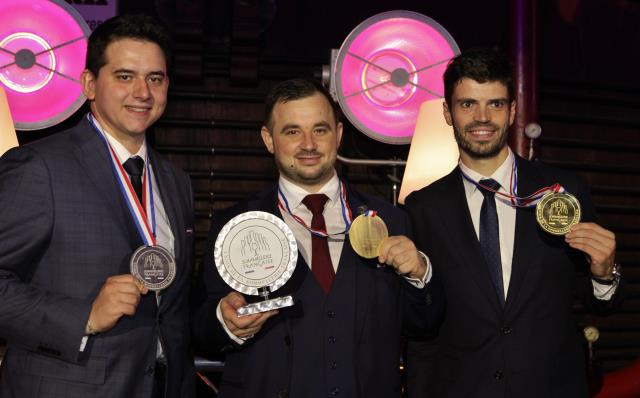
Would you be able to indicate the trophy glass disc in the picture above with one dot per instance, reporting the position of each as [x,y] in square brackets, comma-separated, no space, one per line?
[557,212]
[366,235]
[256,252]
[154,266]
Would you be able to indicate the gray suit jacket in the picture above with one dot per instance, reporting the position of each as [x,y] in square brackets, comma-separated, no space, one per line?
[64,229]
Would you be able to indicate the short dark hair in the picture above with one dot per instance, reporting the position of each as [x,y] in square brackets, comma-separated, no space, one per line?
[480,64]
[136,27]
[295,89]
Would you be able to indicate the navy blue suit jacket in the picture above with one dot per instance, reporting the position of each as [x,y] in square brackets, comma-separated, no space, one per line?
[385,306]
[64,229]
[531,347]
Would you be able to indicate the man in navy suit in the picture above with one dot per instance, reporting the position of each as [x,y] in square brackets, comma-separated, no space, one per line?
[509,286]
[341,338]
[77,323]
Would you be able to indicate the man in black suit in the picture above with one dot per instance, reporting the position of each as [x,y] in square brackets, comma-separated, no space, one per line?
[77,323]
[508,328]
[340,338]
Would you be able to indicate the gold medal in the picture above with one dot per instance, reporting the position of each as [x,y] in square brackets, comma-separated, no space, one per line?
[366,235]
[557,212]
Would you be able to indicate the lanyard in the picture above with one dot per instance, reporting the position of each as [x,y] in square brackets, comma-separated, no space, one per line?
[347,216]
[517,201]
[137,210]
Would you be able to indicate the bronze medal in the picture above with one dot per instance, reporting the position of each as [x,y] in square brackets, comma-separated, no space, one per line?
[366,235]
[557,212]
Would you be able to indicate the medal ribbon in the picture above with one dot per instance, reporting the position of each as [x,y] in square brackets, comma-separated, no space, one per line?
[517,201]
[137,210]
[347,216]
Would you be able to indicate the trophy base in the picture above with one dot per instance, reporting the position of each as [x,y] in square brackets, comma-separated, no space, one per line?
[264,306]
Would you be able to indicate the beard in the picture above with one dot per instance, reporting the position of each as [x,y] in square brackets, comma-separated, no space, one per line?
[482,150]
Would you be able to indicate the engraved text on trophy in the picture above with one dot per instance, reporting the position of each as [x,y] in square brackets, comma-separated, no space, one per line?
[254,249]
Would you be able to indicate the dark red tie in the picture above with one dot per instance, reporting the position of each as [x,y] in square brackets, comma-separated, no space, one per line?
[320,257]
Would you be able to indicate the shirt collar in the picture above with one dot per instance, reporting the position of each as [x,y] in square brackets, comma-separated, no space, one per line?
[121,152]
[295,194]
[502,174]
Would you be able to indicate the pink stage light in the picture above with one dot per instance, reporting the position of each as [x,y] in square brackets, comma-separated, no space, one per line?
[43,45]
[387,67]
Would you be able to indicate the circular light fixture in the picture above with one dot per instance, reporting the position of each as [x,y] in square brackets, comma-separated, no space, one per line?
[387,67]
[43,45]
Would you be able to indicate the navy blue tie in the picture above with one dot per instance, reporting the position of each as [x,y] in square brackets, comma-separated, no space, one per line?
[490,236]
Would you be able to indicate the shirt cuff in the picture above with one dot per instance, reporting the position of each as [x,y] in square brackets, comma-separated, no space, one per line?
[238,340]
[420,283]
[83,343]
[604,292]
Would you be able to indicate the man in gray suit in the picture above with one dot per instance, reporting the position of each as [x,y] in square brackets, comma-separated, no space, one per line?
[77,323]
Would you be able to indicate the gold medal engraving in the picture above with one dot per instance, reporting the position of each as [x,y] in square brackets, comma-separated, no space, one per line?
[366,235]
[556,212]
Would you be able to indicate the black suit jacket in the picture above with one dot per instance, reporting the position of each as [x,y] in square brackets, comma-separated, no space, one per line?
[531,347]
[386,305]
[64,229]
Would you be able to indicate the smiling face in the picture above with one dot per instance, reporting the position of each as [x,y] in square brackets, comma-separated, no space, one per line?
[130,92]
[480,114]
[304,137]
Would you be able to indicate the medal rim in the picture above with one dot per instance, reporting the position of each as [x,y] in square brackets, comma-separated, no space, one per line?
[245,217]
[540,213]
[362,217]
[172,267]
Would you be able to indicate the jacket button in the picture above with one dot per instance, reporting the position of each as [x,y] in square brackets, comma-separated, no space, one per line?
[335,392]
[283,393]
[334,365]
[498,375]
[332,339]
[505,330]
[331,314]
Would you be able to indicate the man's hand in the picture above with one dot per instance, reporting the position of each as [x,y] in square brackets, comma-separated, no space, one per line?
[244,326]
[597,243]
[400,253]
[119,296]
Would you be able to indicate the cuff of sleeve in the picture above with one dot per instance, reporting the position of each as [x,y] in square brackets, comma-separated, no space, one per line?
[420,283]
[236,339]
[604,292]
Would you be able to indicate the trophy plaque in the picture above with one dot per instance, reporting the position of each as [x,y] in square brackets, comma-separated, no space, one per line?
[154,266]
[256,253]
[557,212]
[367,233]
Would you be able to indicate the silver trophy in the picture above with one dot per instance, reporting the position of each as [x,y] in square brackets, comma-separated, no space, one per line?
[256,253]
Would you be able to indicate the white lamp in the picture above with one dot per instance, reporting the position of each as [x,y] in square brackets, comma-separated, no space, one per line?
[8,138]
[433,152]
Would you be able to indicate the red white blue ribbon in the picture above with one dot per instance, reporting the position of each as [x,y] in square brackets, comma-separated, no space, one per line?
[347,216]
[515,200]
[147,232]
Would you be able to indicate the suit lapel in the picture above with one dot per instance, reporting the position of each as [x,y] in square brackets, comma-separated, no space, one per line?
[93,156]
[169,196]
[524,249]
[458,227]
[364,282]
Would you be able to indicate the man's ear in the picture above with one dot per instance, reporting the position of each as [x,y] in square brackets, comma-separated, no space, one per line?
[267,138]
[447,113]
[88,83]
[512,110]
[339,128]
